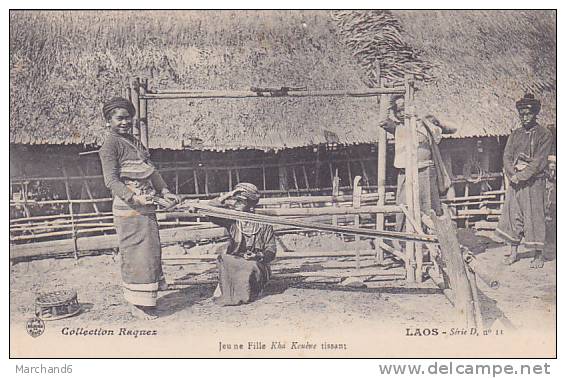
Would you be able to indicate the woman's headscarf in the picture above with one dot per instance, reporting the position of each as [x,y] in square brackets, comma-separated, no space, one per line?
[117,103]
[249,191]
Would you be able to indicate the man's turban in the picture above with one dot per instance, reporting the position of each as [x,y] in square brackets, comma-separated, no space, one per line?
[528,102]
[249,192]
[117,103]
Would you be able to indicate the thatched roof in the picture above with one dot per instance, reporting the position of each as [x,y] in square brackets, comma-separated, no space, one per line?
[64,64]
[483,62]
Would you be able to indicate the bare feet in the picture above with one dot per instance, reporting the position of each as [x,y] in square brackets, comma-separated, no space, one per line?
[511,259]
[538,261]
[144,312]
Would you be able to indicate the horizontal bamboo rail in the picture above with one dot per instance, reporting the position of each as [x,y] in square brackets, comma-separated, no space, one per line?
[106,242]
[279,256]
[54,202]
[387,209]
[55,217]
[210,94]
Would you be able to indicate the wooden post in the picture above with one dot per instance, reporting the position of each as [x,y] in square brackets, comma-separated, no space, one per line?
[335,193]
[451,194]
[71,212]
[87,188]
[283,174]
[451,256]
[195,178]
[317,168]
[128,91]
[414,163]
[295,178]
[206,181]
[410,167]
[135,93]
[306,177]
[356,204]
[175,156]
[381,164]
[25,196]
[365,176]
[144,137]
[230,184]
[349,172]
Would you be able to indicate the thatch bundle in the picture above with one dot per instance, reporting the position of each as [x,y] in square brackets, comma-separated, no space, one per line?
[376,37]
[483,61]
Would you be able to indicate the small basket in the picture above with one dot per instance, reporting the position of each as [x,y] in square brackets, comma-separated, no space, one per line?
[57,305]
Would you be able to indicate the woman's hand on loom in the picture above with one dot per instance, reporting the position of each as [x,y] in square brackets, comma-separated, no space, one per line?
[172,197]
[142,200]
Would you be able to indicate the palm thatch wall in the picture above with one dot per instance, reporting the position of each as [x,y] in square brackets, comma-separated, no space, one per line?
[64,64]
[474,64]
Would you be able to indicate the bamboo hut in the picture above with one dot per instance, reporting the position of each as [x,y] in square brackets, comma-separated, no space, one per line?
[471,65]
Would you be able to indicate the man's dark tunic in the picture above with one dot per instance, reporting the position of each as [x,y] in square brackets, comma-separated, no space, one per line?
[522,216]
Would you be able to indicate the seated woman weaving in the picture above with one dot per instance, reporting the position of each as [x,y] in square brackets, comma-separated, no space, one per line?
[244,268]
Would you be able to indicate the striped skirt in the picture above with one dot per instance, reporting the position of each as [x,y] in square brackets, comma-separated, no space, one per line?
[140,250]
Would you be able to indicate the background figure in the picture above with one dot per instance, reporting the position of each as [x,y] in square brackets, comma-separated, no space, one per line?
[524,163]
[433,176]
[133,180]
[244,268]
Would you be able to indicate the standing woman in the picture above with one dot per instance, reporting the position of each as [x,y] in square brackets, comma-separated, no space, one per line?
[133,180]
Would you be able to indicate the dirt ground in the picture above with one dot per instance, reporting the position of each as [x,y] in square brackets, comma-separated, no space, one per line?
[526,299]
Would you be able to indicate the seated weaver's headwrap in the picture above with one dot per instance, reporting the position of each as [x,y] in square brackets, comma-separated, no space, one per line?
[528,102]
[116,103]
[249,192]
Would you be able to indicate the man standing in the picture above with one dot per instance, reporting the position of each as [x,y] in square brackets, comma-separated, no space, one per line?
[433,176]
[524,163]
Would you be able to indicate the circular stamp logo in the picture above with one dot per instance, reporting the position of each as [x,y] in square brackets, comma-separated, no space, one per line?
[35,327]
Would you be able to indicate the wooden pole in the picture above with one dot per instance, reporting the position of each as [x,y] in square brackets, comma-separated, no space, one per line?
[334,210]
[176,173]
[129,91]
[205,209]
[71,212]
[350,174]
[451,256]
[356,204]
[144,133]
[102,242]
[410,166]
[305,176]
[24,186]
[451,194]
[206,181]
[295,178]
[416,188]
[195,177]
[381,163]
[136,102]
[88,191]
[177,94]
